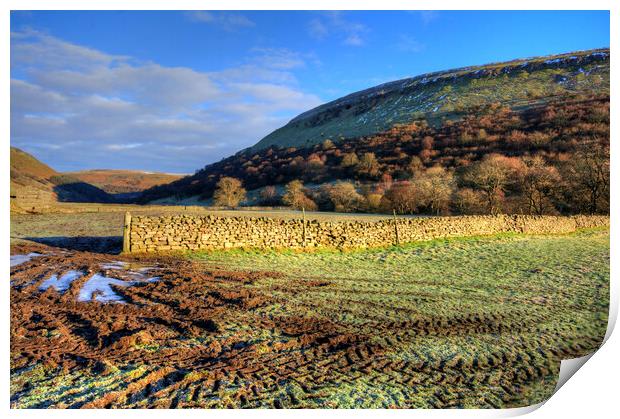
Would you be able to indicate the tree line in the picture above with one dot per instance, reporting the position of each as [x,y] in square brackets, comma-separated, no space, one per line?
[552,157]
[495,184]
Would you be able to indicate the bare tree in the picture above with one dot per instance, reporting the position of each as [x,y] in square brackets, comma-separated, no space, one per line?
[492,176]
[368,166]
[587,178]
[296,197]
[402,197]
[269,195]
[540,184]
[469,201]
[229,192]
[415,166]
[345,197]
[435,187]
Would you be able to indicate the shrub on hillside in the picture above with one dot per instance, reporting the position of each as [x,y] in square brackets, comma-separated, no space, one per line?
[349,160]
[368,166]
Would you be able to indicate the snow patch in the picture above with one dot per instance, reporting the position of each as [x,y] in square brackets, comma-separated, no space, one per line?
[114,265]
[19,259]
[61,284]
[100,287]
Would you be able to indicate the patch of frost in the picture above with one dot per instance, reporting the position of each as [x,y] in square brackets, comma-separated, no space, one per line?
[61,284]
[101,286]
[19,259]
[114,265]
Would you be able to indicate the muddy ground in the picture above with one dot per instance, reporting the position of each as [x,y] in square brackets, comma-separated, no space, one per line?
[189,339]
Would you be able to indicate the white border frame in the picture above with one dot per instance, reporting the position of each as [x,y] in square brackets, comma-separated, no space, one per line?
[593,390]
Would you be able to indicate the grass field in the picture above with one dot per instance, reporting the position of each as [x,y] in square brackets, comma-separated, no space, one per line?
[468,322]
[477,299]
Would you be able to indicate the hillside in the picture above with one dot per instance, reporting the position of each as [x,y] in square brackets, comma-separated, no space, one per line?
[561,114]
[445,94]
[34,184]
[123,181]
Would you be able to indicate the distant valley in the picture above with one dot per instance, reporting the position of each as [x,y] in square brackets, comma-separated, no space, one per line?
[34,184]
[124,182]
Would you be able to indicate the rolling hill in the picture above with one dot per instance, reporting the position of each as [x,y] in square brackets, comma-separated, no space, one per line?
[124,181]
[550,107]
[35,184]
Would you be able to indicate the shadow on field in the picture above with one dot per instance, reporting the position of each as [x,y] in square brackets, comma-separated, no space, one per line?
[95,244]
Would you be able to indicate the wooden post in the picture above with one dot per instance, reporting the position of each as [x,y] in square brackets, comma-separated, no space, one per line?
[126,233]
[303,212]
[396,228]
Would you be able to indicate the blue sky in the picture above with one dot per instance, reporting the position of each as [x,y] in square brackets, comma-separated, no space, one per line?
[173,91]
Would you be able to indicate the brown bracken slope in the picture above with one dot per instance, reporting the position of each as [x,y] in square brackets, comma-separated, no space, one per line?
[35,184]
[124,181]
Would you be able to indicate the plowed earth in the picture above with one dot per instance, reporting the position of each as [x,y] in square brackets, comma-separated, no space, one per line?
[204,337]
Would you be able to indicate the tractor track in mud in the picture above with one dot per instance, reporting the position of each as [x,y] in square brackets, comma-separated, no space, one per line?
[192,336]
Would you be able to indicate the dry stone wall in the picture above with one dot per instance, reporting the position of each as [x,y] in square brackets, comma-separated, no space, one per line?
[190,232]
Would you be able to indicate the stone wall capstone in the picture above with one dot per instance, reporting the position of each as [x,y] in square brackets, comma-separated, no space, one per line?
[190,232]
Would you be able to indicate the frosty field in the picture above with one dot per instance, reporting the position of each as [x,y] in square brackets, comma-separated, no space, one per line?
[467,322]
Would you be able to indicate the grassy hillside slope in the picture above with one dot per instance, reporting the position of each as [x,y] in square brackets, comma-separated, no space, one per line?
[445,94]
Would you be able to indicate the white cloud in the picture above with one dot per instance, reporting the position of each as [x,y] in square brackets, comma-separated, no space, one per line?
[408,43]
[226,20]
[117,147]
[27,97]
[101,110]
[334,24]
[318,29]
[428,16]
[35,48]
[279,58]
[354,39]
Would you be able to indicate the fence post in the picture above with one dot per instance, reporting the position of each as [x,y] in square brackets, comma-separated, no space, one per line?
[396,228]
[303,212]
[126,233]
